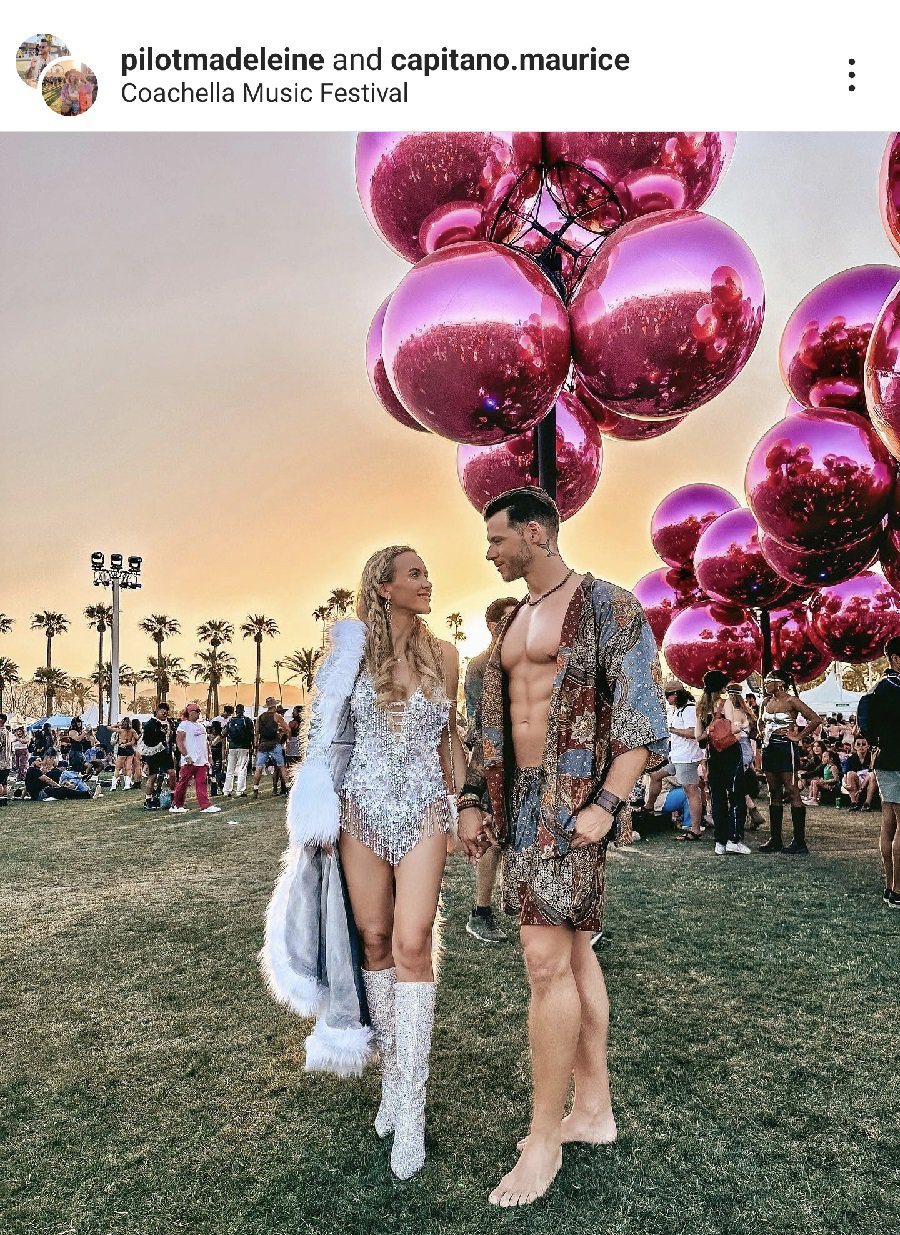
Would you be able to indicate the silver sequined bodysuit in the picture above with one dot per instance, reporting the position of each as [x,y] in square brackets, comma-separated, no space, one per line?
[394,792]
[772,722]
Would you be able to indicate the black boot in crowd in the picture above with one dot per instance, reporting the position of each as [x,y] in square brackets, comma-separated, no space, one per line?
[798,844]
[776,816]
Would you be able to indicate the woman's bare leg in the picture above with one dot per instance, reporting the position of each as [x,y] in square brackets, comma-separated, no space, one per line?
[418,882]
[370,886]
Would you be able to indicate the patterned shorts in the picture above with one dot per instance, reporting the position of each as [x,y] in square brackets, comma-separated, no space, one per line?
[565,891]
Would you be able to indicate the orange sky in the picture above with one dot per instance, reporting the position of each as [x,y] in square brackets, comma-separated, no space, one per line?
[184,321]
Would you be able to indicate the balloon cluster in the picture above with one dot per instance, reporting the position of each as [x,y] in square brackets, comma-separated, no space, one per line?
[566,272]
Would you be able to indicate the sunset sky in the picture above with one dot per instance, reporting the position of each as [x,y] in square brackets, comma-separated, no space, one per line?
[184,321]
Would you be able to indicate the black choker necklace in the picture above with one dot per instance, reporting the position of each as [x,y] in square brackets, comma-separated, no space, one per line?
[531,603]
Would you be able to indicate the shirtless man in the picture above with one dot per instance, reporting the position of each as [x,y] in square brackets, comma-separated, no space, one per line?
[583,707]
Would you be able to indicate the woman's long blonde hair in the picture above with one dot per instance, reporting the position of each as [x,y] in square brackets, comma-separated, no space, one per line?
[423,648]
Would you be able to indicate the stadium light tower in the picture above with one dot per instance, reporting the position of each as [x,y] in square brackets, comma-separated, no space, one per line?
[116,576]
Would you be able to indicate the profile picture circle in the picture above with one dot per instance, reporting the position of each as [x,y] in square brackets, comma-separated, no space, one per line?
[69,88]
[36,54]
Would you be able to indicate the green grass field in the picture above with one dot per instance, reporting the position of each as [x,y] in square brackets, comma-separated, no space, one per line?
[150,1085]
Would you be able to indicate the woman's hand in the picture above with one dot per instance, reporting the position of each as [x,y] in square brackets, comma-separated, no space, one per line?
[472,834]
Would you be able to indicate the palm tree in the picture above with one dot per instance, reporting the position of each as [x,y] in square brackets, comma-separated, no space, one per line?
[9,674]
[159,626]
[215,632]
[455,621]
[142,703]
[102,679]
[54,681]
[257,627]
[322,614]
[52,624]
[339,602]
[79,694]
[212,666]
[99,618]
[5,624]
[130,677]
[164,670]
[302,664]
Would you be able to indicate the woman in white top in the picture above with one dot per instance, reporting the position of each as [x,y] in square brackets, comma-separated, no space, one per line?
[685,752]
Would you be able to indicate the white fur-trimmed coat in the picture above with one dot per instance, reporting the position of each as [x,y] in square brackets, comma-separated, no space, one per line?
[310,957]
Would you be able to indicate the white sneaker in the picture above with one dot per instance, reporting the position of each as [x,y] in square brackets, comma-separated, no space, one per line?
[97,793]
[214,810]
[720,850]
[178,810]
[114,785]
[736,846]
[810,801]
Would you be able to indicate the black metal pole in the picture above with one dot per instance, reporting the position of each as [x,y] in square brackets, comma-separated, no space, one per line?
[766,627]
[545,450]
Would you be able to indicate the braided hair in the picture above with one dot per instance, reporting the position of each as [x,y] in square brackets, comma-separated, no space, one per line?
[379,658]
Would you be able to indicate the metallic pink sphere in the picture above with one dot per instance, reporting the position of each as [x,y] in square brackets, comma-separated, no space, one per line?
[730,566]
[851,621]
[792,648]
[882,374]
[662,594]
[889,190]
[667,314]
[476,343]
[824,343]
[404,179]
[378,378]
[646,171]
[681,519]
[624,428]
[796,595]
[794,406]
[712,636]
[889,555]
[487,471]
[820,567]
[819,479]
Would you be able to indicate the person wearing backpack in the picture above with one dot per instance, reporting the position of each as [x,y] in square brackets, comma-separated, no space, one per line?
[878,718]
[239,735]
[270,729]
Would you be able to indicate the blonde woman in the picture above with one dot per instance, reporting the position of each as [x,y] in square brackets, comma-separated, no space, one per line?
[381,755]
[724,765]
[126,741]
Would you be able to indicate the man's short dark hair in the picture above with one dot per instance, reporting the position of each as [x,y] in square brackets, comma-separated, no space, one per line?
[526,505]
[240,709]
[3,718]
[892,647]
[496,609]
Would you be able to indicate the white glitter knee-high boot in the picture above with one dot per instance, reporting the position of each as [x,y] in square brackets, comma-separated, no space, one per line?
[379,984]
[414,1008]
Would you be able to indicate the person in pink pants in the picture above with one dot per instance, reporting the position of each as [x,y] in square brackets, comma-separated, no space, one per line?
[193,745]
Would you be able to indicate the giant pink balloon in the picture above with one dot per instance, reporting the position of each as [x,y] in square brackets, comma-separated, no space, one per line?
[646,171]
[406,182]
[476,343]
[624,428]
[820,567]
[889,190]
[819,479]
[712,636]
[379,378]
[667,314]
[851,621]
[729,564]
[662,594]
[823,346]
[681,519]
[487,471]
[882,374]
[889,555]
[792,647]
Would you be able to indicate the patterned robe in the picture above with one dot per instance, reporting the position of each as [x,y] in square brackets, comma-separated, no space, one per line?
[607,699]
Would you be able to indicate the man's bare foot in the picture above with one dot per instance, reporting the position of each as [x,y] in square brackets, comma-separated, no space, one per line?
[585,1129]
[531,1176]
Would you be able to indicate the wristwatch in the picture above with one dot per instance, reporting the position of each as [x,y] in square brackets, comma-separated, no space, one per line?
[608,801]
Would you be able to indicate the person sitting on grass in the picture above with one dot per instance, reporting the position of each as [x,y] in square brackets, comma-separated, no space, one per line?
[859,778]
[44,783]
[826,785]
